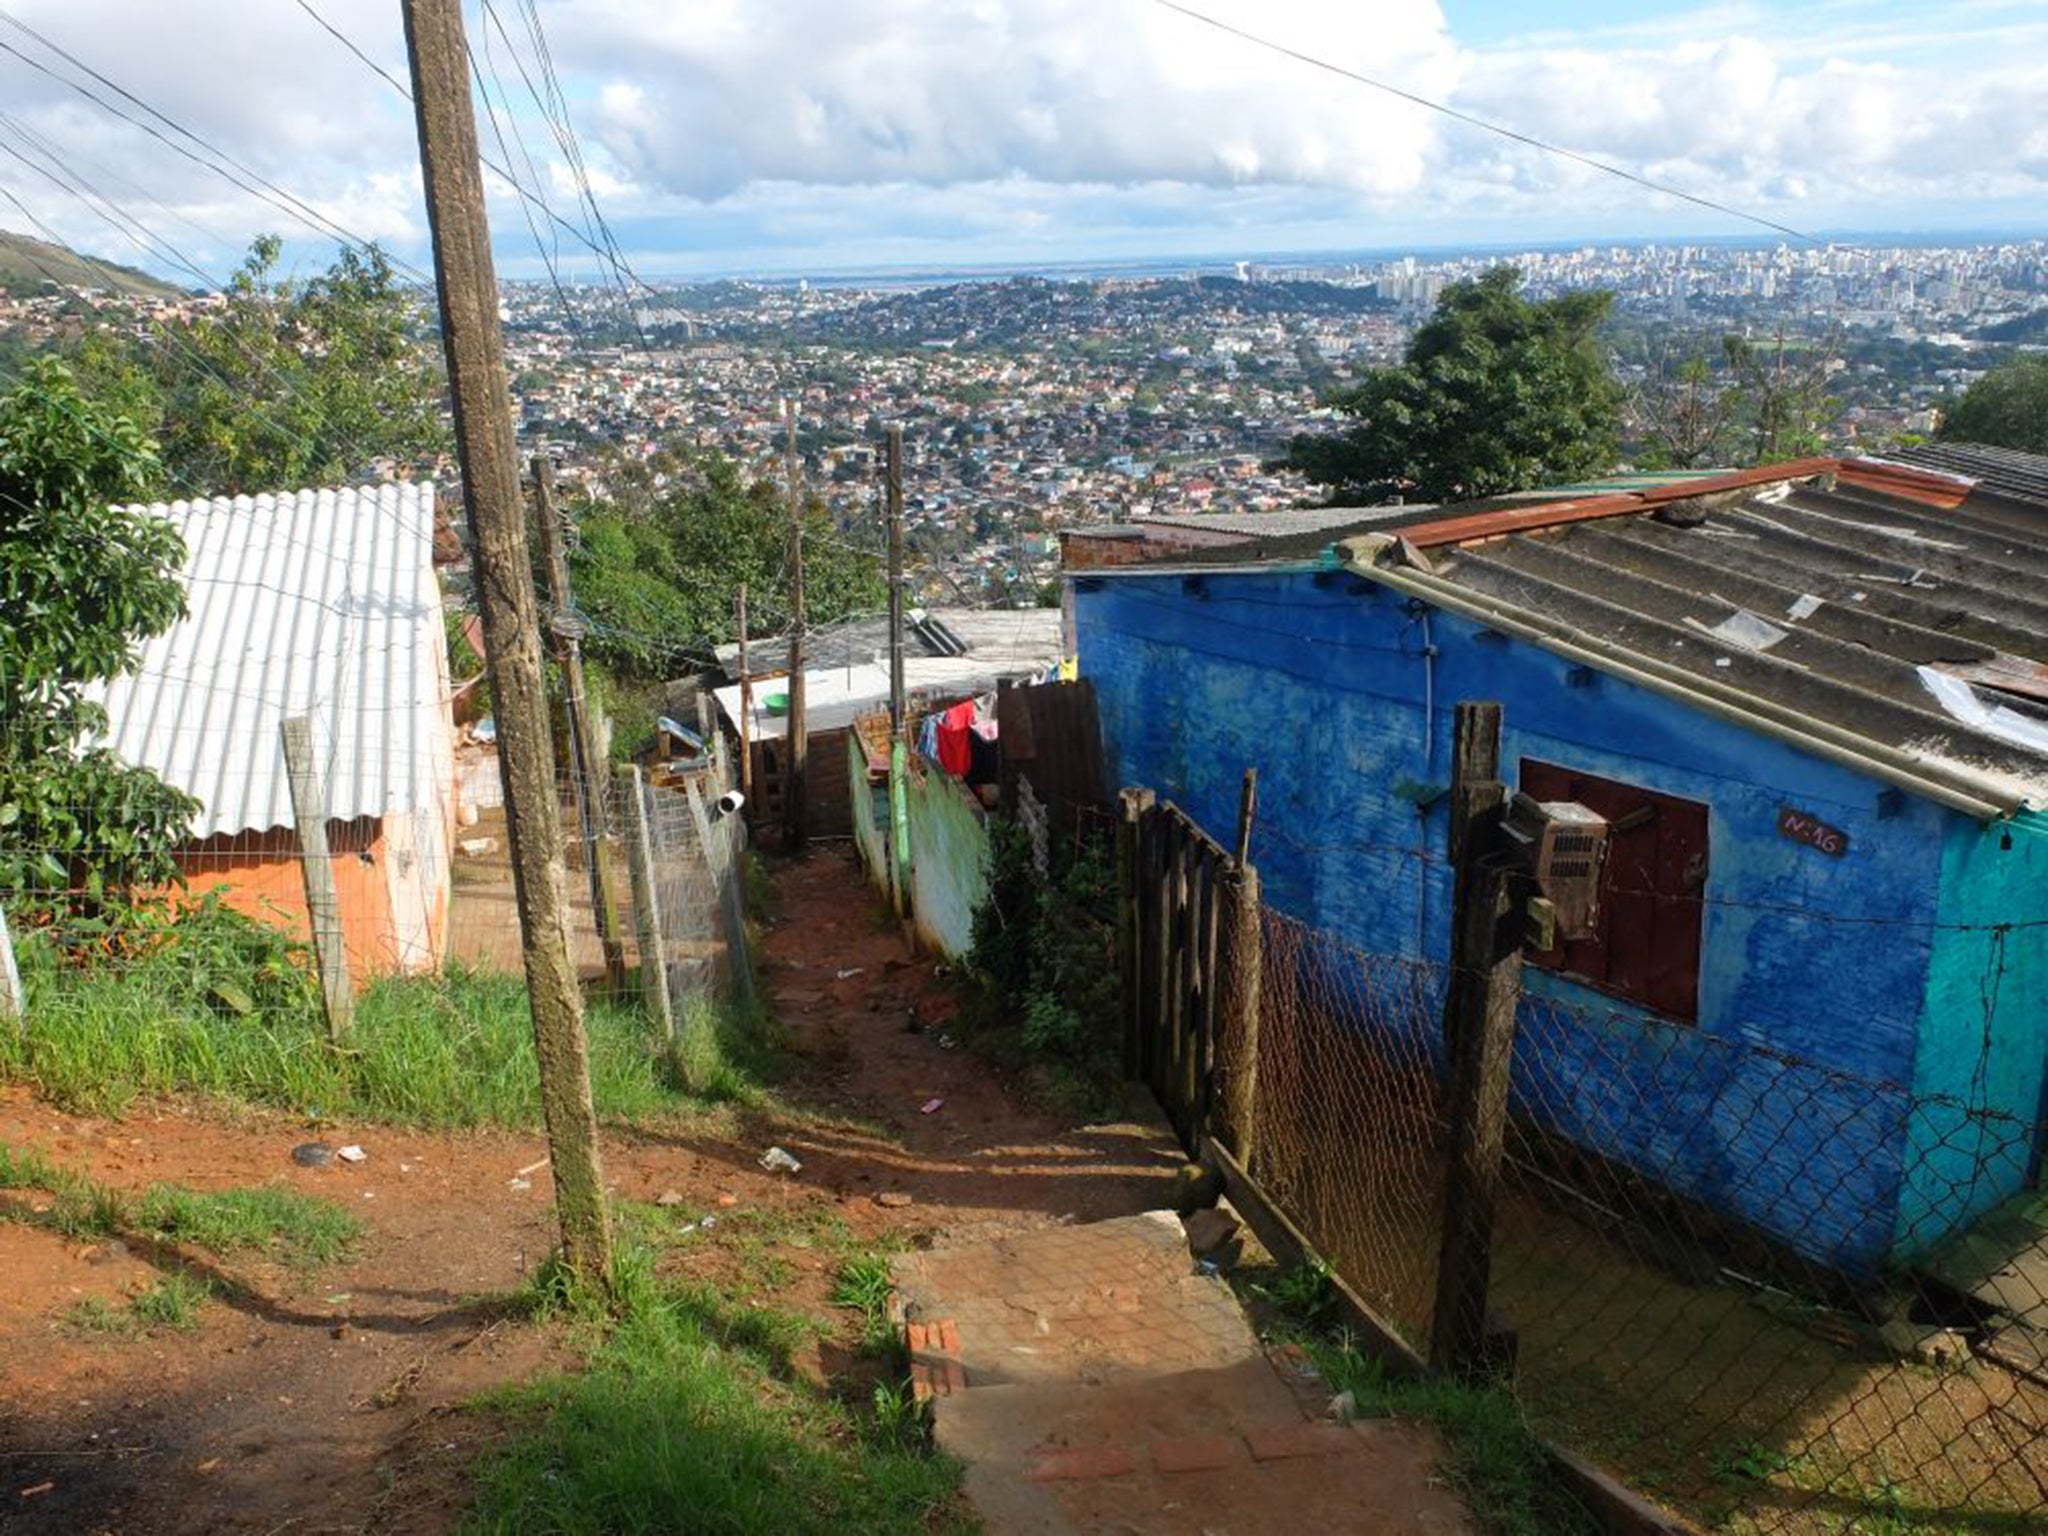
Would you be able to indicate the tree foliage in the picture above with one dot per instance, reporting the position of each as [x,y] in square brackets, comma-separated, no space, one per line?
[1497,393]
[287,383]
[664,545]
[84,579]
[2007,408]
[1783,386]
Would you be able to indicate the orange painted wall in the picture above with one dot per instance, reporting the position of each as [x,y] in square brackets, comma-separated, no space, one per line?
[258,875]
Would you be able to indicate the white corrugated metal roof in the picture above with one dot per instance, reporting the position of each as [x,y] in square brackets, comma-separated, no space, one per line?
[320,602]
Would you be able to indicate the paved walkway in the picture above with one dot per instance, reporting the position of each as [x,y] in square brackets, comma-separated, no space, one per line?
[1094,1381]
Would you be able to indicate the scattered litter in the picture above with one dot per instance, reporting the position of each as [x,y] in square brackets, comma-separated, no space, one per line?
[669,1197]
[531,1168]
[313,1154]
[707,1224]
[931,1106]
[351,1154]
[775,1160]
[1961,701]
[369,1194]
[944,1041]
[1742,628]
[1208,1268]
[519,1184]
[405,1167]
[38,1491]
[728,1201]
[892,1199]
[477,847]
[486,729]
[211,1464]
[1805,606]
[341,1298]
[1723,661]
[850,972]
[1343,1407]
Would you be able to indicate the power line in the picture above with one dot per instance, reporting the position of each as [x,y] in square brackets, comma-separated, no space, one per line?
[1490,127]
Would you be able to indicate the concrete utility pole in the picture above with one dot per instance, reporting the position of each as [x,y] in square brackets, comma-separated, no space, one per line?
[592,802]
[796,820]
[895,497]
[475,347]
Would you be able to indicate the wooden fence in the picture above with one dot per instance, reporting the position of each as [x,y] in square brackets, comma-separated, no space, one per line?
[1188,946]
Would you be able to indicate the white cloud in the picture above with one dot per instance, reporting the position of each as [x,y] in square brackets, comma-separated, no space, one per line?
[792,132]
[704,101]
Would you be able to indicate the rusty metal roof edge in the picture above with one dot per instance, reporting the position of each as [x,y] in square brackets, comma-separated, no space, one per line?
[1987,796]
[1551,514]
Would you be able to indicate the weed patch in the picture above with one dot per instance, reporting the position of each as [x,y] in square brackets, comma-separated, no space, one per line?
[275,1220]
[864,1285]
[172,1302]
[687,1417]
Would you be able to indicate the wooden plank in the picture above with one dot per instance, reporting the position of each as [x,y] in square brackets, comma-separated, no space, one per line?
[1210,977]
[646,901]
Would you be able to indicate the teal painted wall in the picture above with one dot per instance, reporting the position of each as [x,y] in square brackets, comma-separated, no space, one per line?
[949,856]
[1978,1080]
[870,804]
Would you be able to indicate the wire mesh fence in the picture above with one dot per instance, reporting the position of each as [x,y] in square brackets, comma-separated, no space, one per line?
[1762,1290]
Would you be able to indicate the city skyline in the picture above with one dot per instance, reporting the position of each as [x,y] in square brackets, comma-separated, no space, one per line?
[772,140]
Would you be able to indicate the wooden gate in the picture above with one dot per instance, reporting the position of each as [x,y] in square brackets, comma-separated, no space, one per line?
[1181,892]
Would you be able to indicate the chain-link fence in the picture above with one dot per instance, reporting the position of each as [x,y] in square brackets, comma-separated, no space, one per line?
[1772,1294]
[1747,1282]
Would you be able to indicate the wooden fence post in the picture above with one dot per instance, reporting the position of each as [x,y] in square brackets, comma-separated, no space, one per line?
[1479,1034]
[1132,805]
[1243,989]
[316,867]
[646,899]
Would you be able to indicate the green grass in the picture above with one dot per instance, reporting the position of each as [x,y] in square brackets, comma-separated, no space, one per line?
[1496,1461]
[721,1053]
[443,1051]
[688,1417]
[275,1220]
[172,1302]
[864,1286]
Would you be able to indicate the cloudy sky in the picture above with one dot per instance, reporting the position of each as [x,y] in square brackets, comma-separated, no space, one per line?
[822,135]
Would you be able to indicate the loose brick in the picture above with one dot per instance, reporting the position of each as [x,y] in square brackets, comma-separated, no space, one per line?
[1283,1442]
[1197,1453]
[1077,1463]
[920,1338]
[949,1337]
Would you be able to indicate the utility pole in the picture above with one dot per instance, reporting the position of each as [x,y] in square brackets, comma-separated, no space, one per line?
[592,801]
[895,500]
[746,706]
[467,285]
[796,822]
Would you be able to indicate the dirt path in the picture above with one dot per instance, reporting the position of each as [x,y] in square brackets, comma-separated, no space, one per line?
[333,1401]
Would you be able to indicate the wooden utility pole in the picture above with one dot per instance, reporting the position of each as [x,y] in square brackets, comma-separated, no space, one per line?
[895,505]
[746,706]
[593,808]
[316,868]
[796,757]
[467,285]
[1479,1036]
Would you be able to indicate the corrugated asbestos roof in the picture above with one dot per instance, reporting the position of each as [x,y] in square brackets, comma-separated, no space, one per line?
[2005,471]
[1851,592]
[320,602]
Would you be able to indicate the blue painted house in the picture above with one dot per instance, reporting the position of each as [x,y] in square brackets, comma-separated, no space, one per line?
[1809,699]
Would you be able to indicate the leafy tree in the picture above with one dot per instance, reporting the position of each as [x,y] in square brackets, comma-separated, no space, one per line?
[1496,394]
[287,383]
[83,580]
[664,546]
[2007,408]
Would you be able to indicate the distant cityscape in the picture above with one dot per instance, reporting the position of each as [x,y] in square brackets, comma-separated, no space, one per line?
[1039,402]
[1034,403]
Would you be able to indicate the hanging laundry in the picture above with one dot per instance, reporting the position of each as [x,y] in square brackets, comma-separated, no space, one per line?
[956,726]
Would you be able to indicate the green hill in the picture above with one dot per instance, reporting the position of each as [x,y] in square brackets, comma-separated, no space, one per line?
[26,264]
